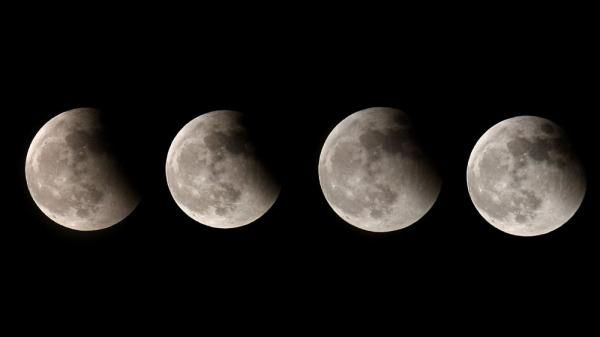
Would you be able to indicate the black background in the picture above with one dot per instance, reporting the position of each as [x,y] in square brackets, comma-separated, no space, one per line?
[298,73]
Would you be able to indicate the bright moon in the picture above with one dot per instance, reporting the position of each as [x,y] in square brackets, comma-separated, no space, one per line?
[215,175]
[524,178]
[373,172]
[72,175]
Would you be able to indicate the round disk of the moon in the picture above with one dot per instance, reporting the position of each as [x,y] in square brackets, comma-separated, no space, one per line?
[72,175]
[374,174]
[524,178]
[215,175]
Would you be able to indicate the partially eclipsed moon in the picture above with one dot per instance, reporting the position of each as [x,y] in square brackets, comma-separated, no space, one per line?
[524,178]
[73,177]
[215,175]
[374,174]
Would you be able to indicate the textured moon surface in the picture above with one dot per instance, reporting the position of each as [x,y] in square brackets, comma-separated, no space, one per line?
[374,174]
[524,178]
[215,175]
[73,177]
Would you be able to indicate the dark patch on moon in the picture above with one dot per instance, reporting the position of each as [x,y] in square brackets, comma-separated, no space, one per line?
[227,193]
[538,150]
[547,128]
[384,194]
[554,151]
[82,212]
[234,142]
[520,218]
[376,213]
[79,140]
[390,141]
[90,194]
[221,210]
[401,119]
[530,200]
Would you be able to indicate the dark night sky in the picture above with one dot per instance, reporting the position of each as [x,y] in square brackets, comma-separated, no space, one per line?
[298,77]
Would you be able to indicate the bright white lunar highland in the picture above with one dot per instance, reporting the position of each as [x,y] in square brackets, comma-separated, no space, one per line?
[373,172]
[215,175]
[72,175]
[524,178]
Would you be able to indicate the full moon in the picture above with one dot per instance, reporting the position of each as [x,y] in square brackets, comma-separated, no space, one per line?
[524,178]
[72,175]
[215,175]
[373,172]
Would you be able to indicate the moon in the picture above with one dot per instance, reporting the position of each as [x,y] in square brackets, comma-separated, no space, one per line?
[215,175]
[524,178]
[72,175]
[373,172]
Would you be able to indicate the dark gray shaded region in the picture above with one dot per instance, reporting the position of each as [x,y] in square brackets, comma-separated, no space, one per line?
[392,141]
[554,151]
[234,142]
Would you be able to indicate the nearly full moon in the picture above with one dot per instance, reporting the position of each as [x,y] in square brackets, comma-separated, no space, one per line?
[73,176]
[524,177]
[373,172]
[215,174]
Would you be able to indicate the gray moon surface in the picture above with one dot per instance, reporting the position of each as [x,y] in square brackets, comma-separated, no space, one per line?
[215,175]
[374,174]
[73,177]
[524,178]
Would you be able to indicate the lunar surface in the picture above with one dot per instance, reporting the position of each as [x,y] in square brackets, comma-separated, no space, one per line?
[215,175]
[374,174]
[73,177]
[524,178]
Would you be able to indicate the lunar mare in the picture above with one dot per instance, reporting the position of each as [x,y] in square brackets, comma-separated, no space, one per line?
[215,175]
[73,177]
[374,174]
[524,178]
